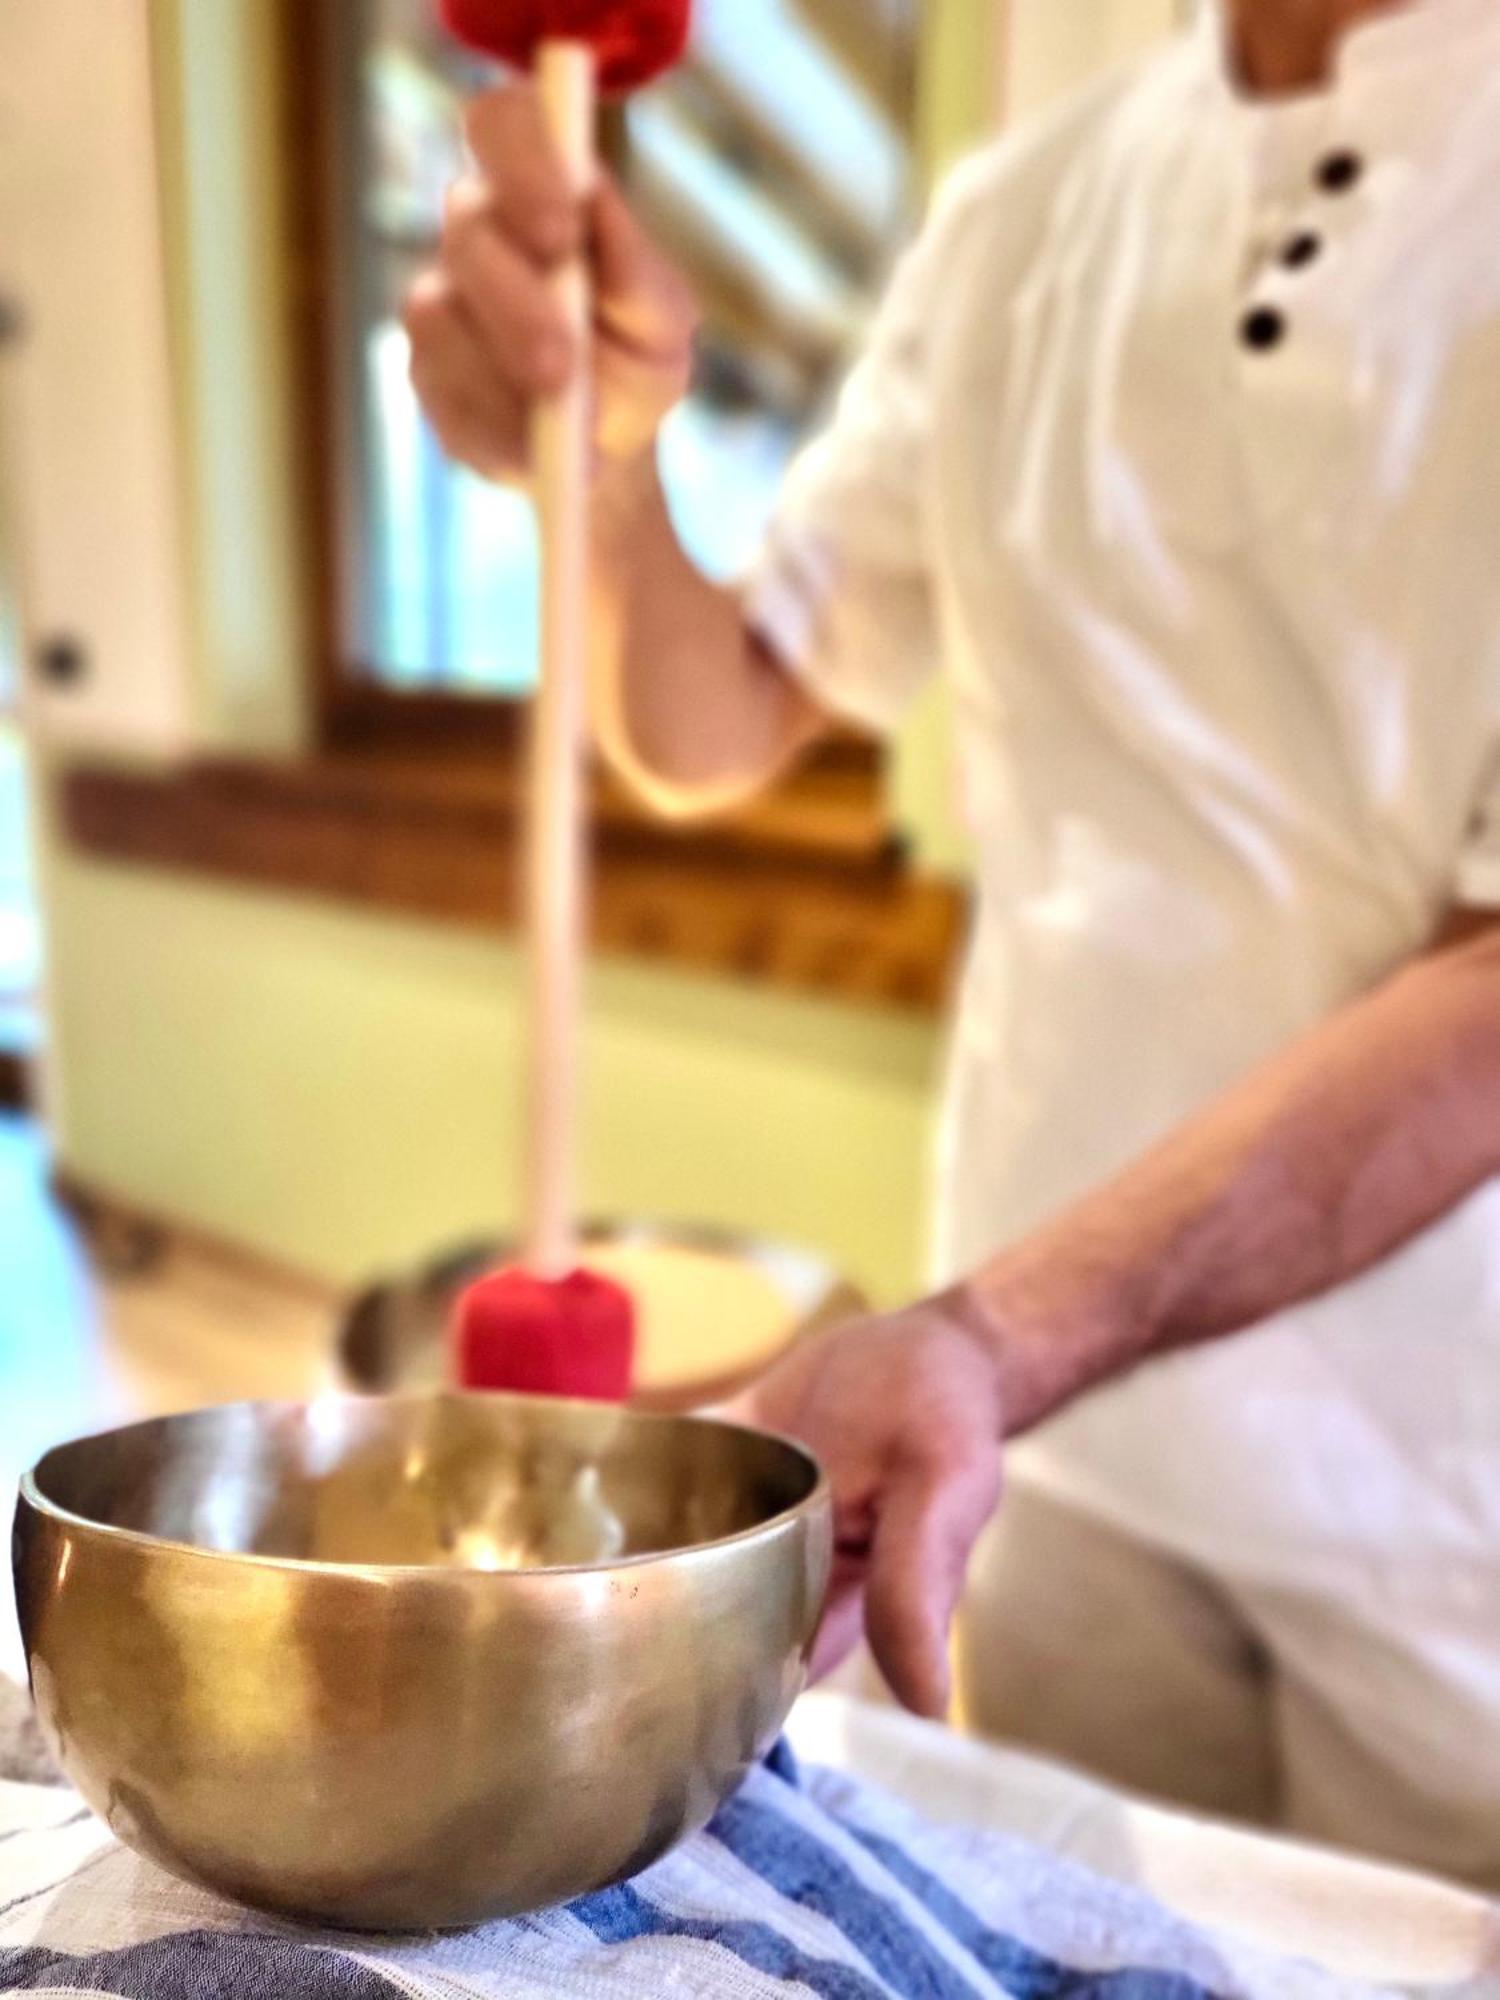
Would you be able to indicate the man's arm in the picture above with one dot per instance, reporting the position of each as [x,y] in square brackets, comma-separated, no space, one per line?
[1321,1162]
[692,708]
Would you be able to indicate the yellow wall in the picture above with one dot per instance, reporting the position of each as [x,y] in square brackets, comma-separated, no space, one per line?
[338,1089]
[222,186]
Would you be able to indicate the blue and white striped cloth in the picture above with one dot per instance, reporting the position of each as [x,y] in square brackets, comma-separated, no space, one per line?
[806,1881]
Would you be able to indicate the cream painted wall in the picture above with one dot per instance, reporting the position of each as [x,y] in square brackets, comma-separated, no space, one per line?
[340,1089]
[222,184]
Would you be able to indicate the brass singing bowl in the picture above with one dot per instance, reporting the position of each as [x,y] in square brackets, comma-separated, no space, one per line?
[415,1662]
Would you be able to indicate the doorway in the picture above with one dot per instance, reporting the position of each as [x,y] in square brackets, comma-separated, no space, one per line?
[20,922]
[20,917]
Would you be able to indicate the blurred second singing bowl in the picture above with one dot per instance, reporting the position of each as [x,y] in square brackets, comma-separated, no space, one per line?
[416,1662]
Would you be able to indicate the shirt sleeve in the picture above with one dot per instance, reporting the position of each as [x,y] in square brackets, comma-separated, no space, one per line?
[841,591]
[843,588]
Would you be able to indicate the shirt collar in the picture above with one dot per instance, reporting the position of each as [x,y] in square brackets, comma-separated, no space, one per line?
[1415,33]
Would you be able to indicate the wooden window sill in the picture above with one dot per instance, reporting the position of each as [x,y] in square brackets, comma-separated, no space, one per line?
[804,890]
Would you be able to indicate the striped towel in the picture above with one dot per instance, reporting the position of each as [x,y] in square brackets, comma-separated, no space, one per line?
[805,1882]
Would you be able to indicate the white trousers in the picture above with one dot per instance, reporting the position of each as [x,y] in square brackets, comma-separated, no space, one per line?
[1368,1717]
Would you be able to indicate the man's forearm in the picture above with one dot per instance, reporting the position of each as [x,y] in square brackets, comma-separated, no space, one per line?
[1323,1161]
[691,709]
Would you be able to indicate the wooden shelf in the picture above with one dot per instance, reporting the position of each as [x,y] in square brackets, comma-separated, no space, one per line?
[806,891]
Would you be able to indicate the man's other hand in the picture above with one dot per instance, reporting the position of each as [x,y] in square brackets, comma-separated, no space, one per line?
[904,1411]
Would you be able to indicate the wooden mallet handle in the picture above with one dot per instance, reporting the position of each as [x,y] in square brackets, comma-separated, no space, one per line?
[557,849]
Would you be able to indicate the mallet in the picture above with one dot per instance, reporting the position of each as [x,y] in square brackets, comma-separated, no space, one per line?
[548,1325]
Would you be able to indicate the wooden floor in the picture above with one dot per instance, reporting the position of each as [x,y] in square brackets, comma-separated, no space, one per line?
[81,1348]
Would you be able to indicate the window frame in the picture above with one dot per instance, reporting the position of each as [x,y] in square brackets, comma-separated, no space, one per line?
[412,803]
[351,708]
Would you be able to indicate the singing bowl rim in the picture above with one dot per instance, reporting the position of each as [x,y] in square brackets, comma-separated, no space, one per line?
[816,1500]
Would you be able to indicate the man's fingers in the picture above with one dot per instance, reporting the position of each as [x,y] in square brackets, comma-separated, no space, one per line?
[929,1522]
[508,227]
[513,150]
[476,415]
[508,299]
[468,439]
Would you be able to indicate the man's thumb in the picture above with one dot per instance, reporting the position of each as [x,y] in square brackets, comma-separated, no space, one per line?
[641,299]
[928,1523]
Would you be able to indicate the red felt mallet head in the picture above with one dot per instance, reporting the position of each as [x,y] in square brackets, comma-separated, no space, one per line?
[633,40]
[572,1336]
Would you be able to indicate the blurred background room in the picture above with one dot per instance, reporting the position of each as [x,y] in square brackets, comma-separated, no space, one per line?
[264,656]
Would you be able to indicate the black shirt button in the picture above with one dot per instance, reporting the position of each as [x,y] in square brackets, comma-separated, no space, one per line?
[1262,328]
[1338,172]
[1301,249]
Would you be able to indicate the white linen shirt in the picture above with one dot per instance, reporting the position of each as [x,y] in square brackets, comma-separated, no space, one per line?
[1177,445]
